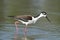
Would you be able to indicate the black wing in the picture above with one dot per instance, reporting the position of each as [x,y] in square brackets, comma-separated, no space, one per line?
[24,18]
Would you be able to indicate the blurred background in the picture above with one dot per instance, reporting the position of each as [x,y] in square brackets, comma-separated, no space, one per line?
[42,30]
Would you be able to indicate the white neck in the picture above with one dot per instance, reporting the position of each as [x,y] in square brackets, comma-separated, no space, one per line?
[41,15]
[35,19]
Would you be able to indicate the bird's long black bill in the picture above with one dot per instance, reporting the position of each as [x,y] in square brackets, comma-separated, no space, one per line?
[48,19]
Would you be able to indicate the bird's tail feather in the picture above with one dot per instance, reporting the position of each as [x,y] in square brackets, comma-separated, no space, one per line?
[11,16]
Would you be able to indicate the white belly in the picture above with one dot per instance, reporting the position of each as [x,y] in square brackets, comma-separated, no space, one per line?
[29,22]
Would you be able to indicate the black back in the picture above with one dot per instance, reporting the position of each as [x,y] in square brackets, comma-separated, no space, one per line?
[36,16]
[24,18]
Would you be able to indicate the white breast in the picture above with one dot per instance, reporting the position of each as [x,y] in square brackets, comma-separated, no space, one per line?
[29,21]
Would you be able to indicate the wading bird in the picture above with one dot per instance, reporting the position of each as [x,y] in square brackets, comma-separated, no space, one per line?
[28,19]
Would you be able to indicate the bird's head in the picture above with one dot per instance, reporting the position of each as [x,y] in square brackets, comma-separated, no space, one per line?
[44,14]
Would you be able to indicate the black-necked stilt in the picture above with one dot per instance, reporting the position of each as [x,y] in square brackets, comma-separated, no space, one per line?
[28,19]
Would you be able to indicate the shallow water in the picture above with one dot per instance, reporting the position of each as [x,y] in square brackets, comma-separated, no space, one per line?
[48,32]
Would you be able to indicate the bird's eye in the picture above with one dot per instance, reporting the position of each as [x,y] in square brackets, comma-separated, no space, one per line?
[44,13]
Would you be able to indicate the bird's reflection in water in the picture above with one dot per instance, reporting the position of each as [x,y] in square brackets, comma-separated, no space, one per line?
[24,38]
[27,38]
[16,36]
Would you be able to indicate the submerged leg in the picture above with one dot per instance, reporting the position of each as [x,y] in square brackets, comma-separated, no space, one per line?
[16,24]
[16,33]
[25,32]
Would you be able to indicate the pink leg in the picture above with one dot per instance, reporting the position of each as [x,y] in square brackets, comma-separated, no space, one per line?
[16,28]
[25,33]
[16,33]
